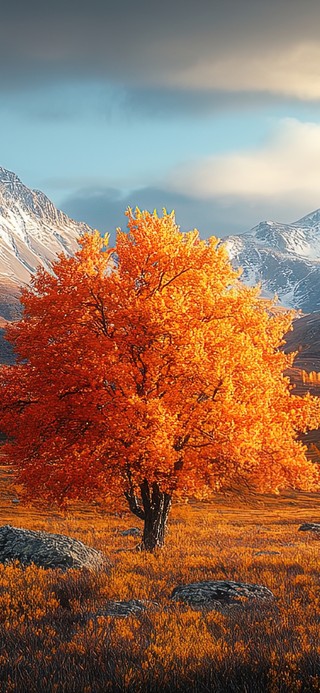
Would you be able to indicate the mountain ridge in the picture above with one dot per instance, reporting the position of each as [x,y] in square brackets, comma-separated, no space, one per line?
[284,258]
[32,233]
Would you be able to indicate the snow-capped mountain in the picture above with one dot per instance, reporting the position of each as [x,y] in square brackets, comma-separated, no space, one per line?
[284,258]
[32,233]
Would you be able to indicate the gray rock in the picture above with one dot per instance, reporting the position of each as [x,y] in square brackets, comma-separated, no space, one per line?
[267,553]
[217,594]
[132,532]
[309,527]
[48,550]
[133,607]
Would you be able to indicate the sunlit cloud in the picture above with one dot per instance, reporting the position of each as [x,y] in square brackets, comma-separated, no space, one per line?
[271,48]
[288,71]
[286,167]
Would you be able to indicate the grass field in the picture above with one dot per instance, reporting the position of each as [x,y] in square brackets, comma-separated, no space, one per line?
[51,640]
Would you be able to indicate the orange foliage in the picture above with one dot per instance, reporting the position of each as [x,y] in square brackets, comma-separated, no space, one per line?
[151,361]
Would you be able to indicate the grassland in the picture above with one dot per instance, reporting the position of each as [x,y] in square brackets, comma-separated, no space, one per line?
[50,639]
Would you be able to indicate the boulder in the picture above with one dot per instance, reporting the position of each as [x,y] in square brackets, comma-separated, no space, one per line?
[216,594]
[48,550]
[309,527]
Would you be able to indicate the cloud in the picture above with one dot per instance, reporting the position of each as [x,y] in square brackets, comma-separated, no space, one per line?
[286,170]
[286,70]
[223,194]
[103,208]
[248,46]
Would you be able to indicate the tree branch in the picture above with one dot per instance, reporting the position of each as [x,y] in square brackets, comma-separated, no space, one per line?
[181,442]
[187,269]
[99,305]
[145,495]
[131,497]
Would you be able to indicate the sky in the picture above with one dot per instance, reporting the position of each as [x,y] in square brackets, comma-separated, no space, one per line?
[208,108]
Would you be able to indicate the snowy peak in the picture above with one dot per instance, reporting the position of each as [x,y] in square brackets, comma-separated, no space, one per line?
[33,202]
[299,238]
[284,258]
[32,233]
[32,230]
[312,219]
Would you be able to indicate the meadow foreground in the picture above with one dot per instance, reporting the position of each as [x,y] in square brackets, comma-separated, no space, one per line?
[53,639]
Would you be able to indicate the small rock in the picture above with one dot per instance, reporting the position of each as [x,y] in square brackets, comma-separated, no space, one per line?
[15,500]
[267,553]
[215,594]
[132,532]
[132,607]
[288,543]
[309,527]
[129,608]
[48,550]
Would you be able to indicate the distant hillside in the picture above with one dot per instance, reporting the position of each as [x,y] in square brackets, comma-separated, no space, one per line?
[305,338]
[6,352]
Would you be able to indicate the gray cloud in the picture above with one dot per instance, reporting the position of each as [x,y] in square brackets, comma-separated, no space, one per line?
[103,208]
[236,45]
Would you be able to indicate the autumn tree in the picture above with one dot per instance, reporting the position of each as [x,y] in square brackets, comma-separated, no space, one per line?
[149,370]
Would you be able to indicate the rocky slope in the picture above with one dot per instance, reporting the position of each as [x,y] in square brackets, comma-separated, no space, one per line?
[32,233]
[285,258]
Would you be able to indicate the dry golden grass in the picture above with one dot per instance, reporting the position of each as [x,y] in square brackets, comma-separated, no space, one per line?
[49,642]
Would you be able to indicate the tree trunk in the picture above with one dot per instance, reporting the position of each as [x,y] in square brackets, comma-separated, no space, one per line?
[156,506]
[153,509]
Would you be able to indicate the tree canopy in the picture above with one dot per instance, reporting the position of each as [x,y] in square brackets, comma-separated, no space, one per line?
[149,369]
